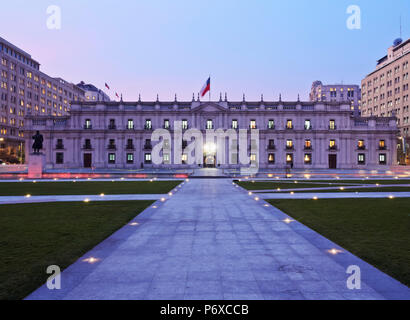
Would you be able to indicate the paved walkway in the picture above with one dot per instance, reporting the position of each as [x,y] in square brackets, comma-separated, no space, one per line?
[211,240]
[71,198]
[333,195]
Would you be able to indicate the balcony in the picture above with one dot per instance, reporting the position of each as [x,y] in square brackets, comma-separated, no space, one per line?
[129,127]
[271,147]
[112,127]
[333,148]
[334,127]
[382,148]
[87,147]
[111,147]
[361,147]
[307,148]
[253,127]
[59,146]
[148,127]
[147,146]
[308,127]
[129,147]
[209,127]
[88,127]
[289,148]
[288,127]
[271,127]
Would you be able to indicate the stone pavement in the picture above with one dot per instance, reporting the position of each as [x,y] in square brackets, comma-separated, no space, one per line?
[211,240]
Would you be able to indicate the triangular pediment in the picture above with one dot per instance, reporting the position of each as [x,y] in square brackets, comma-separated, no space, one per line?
[209,107]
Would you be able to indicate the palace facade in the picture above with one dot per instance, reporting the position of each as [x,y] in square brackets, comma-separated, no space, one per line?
[305,135]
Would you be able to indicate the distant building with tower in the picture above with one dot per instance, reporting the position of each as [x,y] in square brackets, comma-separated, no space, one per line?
[92,93]
[350,93]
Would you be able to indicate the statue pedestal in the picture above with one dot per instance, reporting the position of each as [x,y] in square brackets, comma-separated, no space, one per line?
[36,163]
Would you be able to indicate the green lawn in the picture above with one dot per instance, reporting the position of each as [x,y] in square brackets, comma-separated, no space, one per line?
[381,189]
[265,185]
[85,187]
[376,230]
[362,181]
[34,236]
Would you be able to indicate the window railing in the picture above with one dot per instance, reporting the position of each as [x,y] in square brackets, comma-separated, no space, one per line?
[307,148]
[147,146]
[289,127]
[333,147]
[128,127]
[129,147]
[147,127]
[59,146]
[382,148]
[111,147]
[334,127]
[271,127]
[271,147]
[361,147]
[112,127]
[289,147]
[88,126]
[308,127]
[87,147]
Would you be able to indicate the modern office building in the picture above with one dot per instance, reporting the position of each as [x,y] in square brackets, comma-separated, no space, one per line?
[305,135]
[92,93]
[347,93]
[24,89]
[385,92]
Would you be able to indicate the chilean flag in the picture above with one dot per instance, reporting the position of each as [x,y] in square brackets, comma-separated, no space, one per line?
[206,87]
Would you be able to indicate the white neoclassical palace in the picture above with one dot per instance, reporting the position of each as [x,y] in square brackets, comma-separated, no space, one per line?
[113,135]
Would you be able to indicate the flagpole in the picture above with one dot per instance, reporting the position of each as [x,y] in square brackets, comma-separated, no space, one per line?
[209,88]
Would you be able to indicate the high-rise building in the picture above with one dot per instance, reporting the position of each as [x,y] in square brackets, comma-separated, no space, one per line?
[385,91]
[337,93]
[92,93]
[26,90]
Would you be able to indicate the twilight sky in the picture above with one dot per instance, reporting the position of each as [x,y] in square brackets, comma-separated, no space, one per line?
[168,47]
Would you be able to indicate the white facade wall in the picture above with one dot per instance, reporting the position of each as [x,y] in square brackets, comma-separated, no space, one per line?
[349,130]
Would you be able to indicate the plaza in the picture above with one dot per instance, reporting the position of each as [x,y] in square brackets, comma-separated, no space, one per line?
[212,237]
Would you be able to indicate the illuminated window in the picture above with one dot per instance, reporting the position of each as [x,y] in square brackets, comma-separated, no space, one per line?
[252,124]
[253,157]
[130,157]
[184,158]
[308,125]
[382,158]
[361,158]
[111,158]
[289,124]
[234,124]
[148,124]
[360,144]
[166,158]
[307,158]
[332,144]
[332,125]
[382,144]
[130,124]
[289,158]
[166,124]
[184,124]
[209,124]
[271,124]
[289,144]
[271,158]
[308,144]
[147,158]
